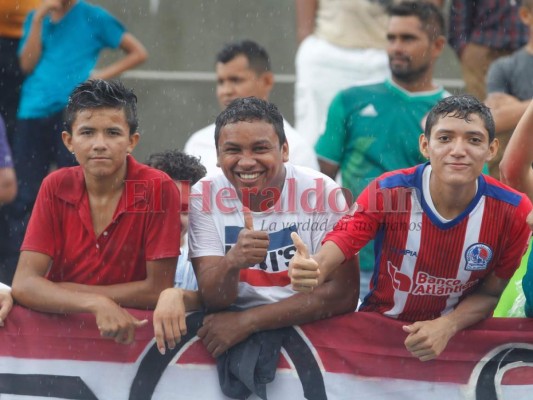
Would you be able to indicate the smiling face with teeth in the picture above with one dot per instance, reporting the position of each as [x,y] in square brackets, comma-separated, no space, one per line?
[251,157]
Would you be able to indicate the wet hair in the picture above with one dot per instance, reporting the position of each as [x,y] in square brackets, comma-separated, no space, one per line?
[250,109]
[258,58]
[461,106]
[178,165]
[98,93]
[428,13]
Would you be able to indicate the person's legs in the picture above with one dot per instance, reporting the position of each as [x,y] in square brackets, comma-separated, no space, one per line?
[10,83]
[475,63]
[59,153]
[31,156]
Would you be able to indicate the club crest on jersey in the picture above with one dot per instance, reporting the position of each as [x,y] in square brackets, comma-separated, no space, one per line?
[477,257]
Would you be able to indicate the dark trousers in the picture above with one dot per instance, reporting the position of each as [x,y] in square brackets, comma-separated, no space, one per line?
[10,84]
[37,146]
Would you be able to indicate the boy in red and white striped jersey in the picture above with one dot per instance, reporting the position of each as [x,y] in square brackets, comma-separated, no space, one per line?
[447,237]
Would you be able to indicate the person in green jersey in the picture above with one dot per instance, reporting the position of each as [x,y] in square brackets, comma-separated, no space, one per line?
[374,128]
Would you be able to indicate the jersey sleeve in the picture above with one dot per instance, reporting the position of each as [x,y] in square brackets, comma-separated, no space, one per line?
[330,145]
[109,29]
[204,239]
[353,231]
[516,243]
[162,238]
[40,232]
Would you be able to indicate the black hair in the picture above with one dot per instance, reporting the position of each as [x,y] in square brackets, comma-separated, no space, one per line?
[460,106]
[251,109]
[428,13]
[98,93]
[258,58]
[178,165]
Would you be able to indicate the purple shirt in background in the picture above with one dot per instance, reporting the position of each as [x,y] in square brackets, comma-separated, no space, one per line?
[6,161]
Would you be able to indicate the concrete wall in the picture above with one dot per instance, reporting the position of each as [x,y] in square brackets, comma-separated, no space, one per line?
[176,86]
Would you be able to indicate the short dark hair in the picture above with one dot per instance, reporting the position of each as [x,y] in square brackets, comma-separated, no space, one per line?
[178,165]
[251,109]
[258,58]
[460,106]
[428,13]
[98,93]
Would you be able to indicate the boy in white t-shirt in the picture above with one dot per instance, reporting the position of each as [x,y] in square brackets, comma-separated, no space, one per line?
[239,234]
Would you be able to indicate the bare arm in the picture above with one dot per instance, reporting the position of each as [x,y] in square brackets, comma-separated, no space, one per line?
[138,294]
[506,110]
[305,18]
[32,290]
[337,295]
[6,303]
[169,315]
[427,339]
[135,54]
[328,168]
[8,185]
[306,272]
[31,52]
[515,167]
[218,277]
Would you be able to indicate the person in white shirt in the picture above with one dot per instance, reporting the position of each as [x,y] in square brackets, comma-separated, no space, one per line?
[243,70]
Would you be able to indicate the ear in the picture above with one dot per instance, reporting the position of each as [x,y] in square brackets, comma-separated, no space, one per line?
[493,149]
[423,144]
[67,140]
[267,82]
[285,151]
[525,15]
[438,46]
[134,139]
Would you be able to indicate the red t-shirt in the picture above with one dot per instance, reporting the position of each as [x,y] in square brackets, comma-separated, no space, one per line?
[145,227]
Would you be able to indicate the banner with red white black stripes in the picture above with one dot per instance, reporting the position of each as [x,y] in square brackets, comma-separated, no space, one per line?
[360,355]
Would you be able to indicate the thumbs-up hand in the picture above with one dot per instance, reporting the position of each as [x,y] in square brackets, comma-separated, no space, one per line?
[303,270]
[251,247]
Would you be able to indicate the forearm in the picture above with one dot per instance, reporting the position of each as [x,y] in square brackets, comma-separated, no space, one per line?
[135,54]
[192,300]
[43,295]
[218,285]
[138,294]
[470,311]
[506,117]
[515,167]
[115,69]
[32,50]
[327,300]
[329,258]
[328,168]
